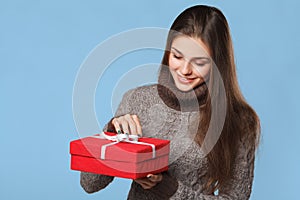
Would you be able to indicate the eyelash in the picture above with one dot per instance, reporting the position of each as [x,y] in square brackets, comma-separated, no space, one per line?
[177,57]
[198,64]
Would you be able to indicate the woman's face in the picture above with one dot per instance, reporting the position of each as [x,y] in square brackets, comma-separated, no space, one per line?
[189,62]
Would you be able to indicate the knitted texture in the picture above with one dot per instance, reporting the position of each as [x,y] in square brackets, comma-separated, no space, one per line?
[187,174]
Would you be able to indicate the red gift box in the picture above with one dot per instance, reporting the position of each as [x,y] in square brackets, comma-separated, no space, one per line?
[126,159]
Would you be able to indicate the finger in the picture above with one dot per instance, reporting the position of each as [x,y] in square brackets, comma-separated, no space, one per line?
[149,186]
[138,125]
[124,124]
[145,183]
[155,178]
[116,124]
[131,124]
[146,186]
[142,180]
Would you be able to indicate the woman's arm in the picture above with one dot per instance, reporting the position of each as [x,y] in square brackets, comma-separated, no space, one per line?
[94,182]
[240,186]
[237,188]
[91,182]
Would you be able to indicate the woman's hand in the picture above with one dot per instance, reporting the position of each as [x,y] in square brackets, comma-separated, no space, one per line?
[150,181]
[128,124]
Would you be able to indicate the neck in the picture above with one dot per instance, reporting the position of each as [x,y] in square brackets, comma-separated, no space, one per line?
[185,101]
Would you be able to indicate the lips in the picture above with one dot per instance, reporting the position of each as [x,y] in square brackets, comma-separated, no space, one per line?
[185,80]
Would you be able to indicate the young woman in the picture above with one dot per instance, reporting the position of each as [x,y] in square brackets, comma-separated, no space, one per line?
[197,104]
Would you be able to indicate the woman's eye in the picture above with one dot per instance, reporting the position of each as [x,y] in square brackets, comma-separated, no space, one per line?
[200,64]
[177,57]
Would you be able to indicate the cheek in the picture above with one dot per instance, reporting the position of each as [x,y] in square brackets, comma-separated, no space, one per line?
[174,63]
[204,72]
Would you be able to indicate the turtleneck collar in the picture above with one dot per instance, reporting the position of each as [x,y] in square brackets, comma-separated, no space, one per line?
[180,100]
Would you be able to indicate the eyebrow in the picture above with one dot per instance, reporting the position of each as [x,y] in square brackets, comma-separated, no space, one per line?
[201,57]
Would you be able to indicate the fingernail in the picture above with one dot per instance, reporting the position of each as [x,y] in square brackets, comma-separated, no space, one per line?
[119,131]
[149,175]
[139,135]
[127,133]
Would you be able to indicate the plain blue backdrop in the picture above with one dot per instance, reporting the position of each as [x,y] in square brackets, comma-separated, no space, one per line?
[43,44]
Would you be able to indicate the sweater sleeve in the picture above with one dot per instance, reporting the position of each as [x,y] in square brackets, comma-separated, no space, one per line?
[91,182]
[238,187]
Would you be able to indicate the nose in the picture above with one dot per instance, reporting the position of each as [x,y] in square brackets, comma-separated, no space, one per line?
[186,68]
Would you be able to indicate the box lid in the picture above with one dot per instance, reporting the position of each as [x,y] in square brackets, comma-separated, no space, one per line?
[122,151]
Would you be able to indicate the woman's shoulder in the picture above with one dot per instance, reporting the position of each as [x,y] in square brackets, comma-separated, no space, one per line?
[142,92]
[150,88]
[141,97]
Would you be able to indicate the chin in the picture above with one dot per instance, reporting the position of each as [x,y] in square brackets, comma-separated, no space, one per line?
[184,88]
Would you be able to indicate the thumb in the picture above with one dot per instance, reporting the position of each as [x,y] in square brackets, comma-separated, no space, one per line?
[154,178]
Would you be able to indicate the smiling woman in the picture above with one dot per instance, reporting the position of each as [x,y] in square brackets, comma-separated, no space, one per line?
[189,62]
[191,94]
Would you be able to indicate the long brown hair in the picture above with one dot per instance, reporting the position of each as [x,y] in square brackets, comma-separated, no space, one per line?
[210,25]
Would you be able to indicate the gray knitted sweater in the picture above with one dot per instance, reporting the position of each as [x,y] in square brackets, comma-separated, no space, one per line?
[187,172]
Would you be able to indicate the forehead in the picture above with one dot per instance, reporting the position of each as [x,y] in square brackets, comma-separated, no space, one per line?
[189,46]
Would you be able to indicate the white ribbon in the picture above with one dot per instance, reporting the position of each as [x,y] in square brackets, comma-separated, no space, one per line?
[121,138]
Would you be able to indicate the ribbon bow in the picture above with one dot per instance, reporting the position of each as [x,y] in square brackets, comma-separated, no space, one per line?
[121,138]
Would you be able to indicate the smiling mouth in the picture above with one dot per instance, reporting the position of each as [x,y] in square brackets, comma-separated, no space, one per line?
[185,80]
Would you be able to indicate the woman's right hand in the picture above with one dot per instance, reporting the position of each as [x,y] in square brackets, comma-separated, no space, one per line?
[128,124]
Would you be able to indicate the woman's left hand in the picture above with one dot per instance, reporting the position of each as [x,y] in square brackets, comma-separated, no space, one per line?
[150,181]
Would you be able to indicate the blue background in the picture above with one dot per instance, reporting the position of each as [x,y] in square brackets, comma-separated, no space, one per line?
[43,43]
